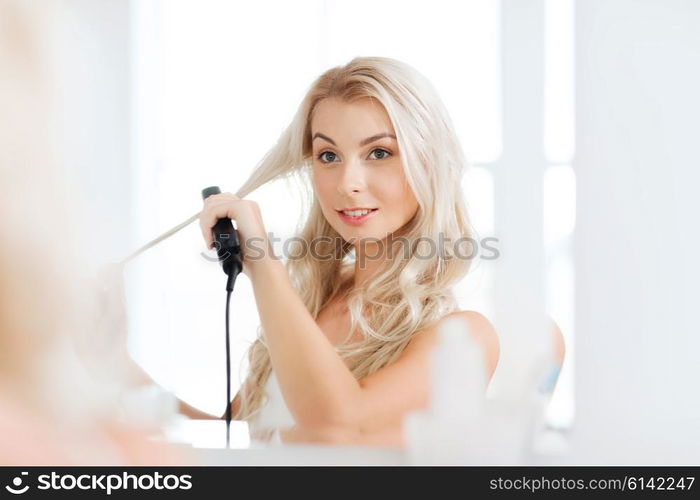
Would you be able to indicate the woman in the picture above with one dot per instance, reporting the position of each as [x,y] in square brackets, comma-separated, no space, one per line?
[345,343]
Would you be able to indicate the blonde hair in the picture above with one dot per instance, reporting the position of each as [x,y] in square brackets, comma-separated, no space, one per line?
[409,293]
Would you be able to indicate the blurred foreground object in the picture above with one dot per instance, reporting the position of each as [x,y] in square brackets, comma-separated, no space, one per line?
[62,400]
[464,426]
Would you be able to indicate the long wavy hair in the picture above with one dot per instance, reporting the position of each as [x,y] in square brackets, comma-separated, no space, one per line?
[409,293]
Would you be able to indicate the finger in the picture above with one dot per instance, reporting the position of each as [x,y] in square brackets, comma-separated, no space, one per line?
[206,231]
[210,216]
[229,195]
[221,196]
[207,218]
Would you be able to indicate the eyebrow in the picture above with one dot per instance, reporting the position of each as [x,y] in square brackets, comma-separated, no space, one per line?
[362,142]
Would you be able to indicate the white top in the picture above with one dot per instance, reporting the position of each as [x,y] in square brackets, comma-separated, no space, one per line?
[274,415]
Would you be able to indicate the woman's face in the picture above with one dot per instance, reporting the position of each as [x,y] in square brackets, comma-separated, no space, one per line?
[356,165]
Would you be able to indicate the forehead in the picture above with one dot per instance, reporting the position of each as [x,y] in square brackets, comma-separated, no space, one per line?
[360,118]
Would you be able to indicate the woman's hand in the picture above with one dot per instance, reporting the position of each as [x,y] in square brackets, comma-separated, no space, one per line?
[249,224]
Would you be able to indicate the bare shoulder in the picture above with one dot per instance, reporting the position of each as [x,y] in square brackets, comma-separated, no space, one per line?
[483,331]
[404,385]
[480,329]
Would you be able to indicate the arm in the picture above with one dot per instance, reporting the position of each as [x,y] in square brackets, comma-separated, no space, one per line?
[319,388]
[395,390]
[192,412]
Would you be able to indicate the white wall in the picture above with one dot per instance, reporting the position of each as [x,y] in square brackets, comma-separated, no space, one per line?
[636,243]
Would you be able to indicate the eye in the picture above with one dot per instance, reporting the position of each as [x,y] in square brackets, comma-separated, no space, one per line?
[321,156]
[382,156]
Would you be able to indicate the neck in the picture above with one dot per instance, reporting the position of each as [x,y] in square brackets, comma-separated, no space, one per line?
[369,259]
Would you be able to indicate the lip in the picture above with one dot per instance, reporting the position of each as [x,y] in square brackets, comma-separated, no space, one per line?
[356,221]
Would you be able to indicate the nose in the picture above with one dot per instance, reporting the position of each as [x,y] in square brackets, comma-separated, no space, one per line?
[352,178]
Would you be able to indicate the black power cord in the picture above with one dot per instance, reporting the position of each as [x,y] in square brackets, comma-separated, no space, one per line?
[228,371]
[231,259]
[232,274]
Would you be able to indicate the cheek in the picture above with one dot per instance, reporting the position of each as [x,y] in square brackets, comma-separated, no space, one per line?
[411,201]
[406,206]
[397,193]
[322,187]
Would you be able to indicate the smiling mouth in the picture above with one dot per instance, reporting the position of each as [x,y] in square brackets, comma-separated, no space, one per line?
[357,217]
[357,213]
